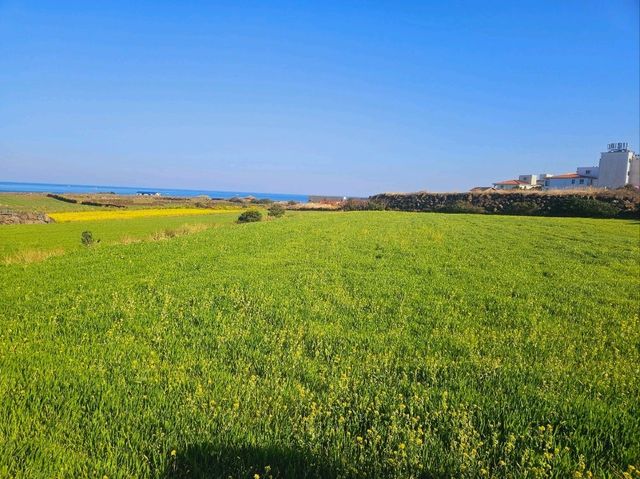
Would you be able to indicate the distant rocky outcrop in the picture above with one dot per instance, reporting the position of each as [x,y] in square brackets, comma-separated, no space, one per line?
[23,218]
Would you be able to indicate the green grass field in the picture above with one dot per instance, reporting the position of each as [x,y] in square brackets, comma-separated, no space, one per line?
[364,344]
[39,202]
[63,237]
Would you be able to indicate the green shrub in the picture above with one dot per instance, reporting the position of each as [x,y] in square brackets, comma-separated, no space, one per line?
[362,205]
[263,201]
[276,210]
[584,207]
[86,238]
[460,206]
[250,216]
[523,208]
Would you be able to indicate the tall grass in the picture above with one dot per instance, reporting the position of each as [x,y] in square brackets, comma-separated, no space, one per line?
[32,256]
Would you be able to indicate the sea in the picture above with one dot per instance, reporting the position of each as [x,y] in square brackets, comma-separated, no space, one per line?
[12,187]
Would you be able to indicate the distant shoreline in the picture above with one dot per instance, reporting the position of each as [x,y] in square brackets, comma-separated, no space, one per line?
[18,187]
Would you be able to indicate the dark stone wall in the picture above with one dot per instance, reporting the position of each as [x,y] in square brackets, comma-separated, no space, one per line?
[625,202]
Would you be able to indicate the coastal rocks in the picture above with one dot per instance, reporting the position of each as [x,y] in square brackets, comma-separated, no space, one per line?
[23,218]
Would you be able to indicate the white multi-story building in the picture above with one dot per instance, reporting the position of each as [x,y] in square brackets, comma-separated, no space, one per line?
[619,166]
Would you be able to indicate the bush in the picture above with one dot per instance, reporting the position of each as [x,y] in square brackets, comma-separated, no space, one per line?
[585,207]
[276,210]
[362,205]
[523,208]
[263,201]
[460,206]
[86,238]
[250,216]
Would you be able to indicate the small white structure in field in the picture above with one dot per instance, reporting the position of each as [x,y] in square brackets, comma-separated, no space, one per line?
[619,166]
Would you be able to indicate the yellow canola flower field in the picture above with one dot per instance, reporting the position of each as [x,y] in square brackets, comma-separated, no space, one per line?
[68,216]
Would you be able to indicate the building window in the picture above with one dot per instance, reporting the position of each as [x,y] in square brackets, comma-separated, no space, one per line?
[546,182]
[587,172]
[581,181]
[573,182]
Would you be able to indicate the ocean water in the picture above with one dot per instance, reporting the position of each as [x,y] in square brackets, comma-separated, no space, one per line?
[12,187]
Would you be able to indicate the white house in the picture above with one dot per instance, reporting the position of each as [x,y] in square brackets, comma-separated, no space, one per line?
[509,185]
[524,182]
[569,181]
[618,167]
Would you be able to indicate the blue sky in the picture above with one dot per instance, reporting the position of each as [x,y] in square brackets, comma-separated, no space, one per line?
[313,97]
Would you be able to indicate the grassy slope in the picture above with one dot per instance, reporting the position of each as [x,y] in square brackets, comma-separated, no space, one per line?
[329,344]
[39,202]
[66,236]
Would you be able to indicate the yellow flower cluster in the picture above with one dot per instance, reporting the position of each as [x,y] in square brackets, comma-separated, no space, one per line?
[123,214]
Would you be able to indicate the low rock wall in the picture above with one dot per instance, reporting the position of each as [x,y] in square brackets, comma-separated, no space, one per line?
[626,204]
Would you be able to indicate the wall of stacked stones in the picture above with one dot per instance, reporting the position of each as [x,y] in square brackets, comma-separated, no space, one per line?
[497,203]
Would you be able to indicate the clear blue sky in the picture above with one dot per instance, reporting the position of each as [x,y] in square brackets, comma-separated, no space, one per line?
[313,97]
